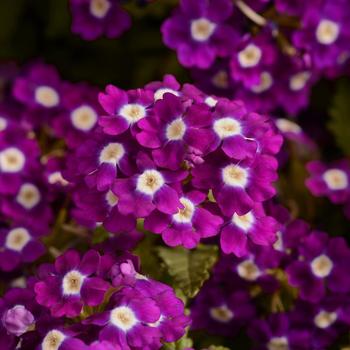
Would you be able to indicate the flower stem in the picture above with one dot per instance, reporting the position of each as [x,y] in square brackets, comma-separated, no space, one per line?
[250,13]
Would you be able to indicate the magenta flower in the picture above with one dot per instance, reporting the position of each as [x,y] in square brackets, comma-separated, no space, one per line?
[62,340]
[149,189]
[198,31]
[332,180]
[100,159]
[324,267]
[18,158]
[125,109]
[168,85]
[19,244]
[173,129]
[188,225]
[237,186]
[79,118]
[39,88]
[254,226]
[324,32]
[94,18]
[126,323]
[251,57]
[69,284]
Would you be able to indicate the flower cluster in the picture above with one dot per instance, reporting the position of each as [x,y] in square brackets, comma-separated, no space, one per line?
[291,45]
[191,166]
[302,279]
[108,299]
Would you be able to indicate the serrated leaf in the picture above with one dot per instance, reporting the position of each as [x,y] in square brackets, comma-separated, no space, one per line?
[340,114]
[189,268]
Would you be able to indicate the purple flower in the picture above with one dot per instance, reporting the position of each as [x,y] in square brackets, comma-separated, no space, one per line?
[40,87]
[332,180]
[199,33]
[252,57]
[188,225]
[323,267]
[60,339]
[125,109]
[168,85]
[236,130]
[278,332]
[219,310]
[18,316]
[173,129]
[237,185]
[128,320]
[291,7]
[27,204]
[94,18]
[19,244]
[70,284]
[324,32]
[100,159]
[95,207]
[18,158]
[254,226]
[149,189]
[79,118]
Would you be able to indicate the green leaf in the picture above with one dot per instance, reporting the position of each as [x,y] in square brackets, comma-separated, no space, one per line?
[340,114]
[183,343]
[99,235]
[189,268]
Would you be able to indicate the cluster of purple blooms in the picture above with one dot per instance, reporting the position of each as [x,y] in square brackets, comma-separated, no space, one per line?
[267,53]
[307,268]
[165,159]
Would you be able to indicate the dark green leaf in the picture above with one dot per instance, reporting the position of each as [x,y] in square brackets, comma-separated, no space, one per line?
[340,113]
[189,268]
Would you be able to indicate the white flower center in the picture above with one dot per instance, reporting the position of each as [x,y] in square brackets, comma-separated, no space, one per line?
[211,101]
[132,112]
[149,182]
[250,56]
[285,125]
[72,282]
[3,124]
[184,215]
[221,314]
[57,178]
[235,176]
[111,198]
[324,319]
[99,8]
[202,29]
[47,96]
[226,127]
[321,266]
[248,270]
[158,95]
[11,160]
[112,153]
[266,82]
[278,343]
[28,196]
[278,245]
[327,32]
[84,118]
[336,179]
[123,317]
[220,80]
[17,239]
[176,130]
[244,222]
[53,340]
[299,80]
